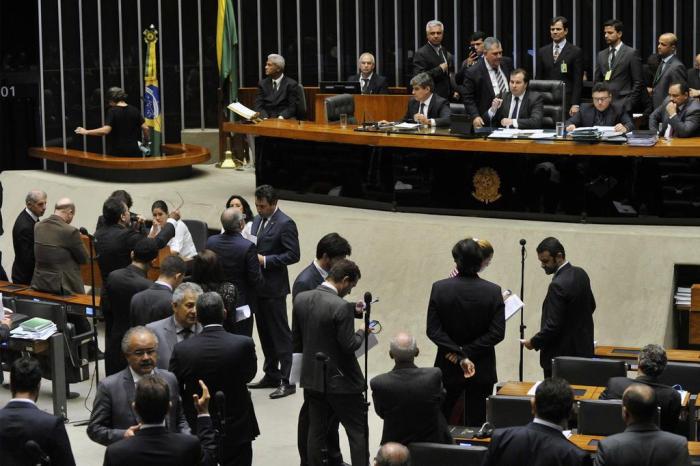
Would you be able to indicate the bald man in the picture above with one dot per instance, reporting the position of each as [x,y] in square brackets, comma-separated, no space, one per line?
[670,70]
[59,252]
[392,454]
[409,398]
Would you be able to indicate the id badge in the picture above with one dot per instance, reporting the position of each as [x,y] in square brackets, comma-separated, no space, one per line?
[564,68]
[608,75]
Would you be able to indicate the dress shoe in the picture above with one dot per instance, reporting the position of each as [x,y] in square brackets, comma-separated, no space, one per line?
[265,382]
[283,390]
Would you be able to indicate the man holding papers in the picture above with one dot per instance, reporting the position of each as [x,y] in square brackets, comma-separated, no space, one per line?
[601,113]
[518,108]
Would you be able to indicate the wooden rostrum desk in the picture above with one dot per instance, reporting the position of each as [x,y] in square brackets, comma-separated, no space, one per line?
[437,173]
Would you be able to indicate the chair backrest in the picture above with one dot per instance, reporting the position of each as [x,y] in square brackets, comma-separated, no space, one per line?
[339,104]
[587,371]
[301,103]
[8,302]
[603,417]
[553,100]
[507,411]
[430,454]
[54,312]
[687,375]
[457,109]
[199,231]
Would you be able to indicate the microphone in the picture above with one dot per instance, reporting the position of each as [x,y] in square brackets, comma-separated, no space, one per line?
[368,301]
[35,451]
[523,242]
[321,356]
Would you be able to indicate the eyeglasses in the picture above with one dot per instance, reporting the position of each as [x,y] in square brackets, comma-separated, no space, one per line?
[601,99]
[142,352]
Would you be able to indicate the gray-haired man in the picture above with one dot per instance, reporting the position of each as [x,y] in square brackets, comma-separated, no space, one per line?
[433,59]
[277,94]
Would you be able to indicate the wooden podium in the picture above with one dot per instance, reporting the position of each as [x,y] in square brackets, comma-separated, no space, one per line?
[694,315]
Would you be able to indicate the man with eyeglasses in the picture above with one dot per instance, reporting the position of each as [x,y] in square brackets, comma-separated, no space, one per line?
[112,416]
[601,113]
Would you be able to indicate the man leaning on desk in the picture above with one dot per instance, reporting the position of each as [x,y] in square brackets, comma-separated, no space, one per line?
[426,107]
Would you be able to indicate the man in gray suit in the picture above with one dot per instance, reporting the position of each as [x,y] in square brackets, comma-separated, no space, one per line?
[179,326]
[113,417]
[620,66]
[642,442]
[670,70]
[678,116]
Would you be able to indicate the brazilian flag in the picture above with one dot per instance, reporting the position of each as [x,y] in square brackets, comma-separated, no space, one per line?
[151,96]
[226,48]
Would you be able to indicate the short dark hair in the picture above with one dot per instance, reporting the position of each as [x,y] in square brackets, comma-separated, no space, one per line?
[562,19]
[333,245]
[25,375]
[468,256]
[652,360]
[160,205]
[345,268]
[152,399]
[615,23]
[115,94]
[246,207]
[477,35]
[172,265]
[124,196]
[206,268]
[601,87]
[551,245]
[685,89]
[553,400]
[640,402]
[146,250]
[112,210]
[210,308]
[266,192]
[523,71]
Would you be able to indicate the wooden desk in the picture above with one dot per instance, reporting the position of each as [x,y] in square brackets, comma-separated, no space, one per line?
[631,353]
[521,389]
[372,107]
[82,300]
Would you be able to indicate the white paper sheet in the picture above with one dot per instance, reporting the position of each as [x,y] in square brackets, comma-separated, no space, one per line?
[295,371]
[242,313]
[372,341]
[513,305]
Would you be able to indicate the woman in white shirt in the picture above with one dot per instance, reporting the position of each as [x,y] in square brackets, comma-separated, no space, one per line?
[181,243]
[241,204]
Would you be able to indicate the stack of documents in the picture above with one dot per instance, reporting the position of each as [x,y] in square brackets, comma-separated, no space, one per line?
[682,296]
[642,138]
[586,134]
[34,329]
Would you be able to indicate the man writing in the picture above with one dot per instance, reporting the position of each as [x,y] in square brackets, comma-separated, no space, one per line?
[602,113]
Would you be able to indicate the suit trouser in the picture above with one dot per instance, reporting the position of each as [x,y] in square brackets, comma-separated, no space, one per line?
[275,337]
[349,409]
[240,454]
[475,395]
[332,441]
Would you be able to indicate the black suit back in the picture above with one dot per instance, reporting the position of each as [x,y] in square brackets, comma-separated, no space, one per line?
[308,279]
[155,447]
[23,242]
[154,303]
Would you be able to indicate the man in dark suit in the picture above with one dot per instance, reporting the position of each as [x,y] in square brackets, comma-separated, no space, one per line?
[23,236]
[179,326]
[678,116]
[323,322]
[620,66]
[566,327]
[474,54]
[426,107]
[602,112]
[113,417]
[152,443]
[22,421]
[694,77]
[562,61]
[59,251]
[117,291]
[278,246]
[3,275]
[224,362]
[650,365]
[277,94]
[466,320]
[670,70]
[642,442]
[433,59]
[409,398]
[518,108]
[370,82]
[156,303]
[541,441]
[486,80]
[239,260]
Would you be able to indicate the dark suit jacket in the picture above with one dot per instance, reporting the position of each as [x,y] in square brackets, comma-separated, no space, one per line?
[279,243]
[152,304]
[462,73]
[281,103]
[566,327]
[377,84]
[239,261]
[693,78]
[23,242]
[529,115]
[626,79]
[112,413]
[613,115]
[408,398]
[439,109]
[22,421]
[478,91]
[158,447]
[225,362]
[308,279]
[666,397]
[117,291]
[686,123]
[533,445]
[547,68]
[166,332]
[426,60]
[643,444]
[466,315]
[674,71]
[59,252]
[323,321]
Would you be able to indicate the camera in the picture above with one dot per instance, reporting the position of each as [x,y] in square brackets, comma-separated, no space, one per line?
[472,50]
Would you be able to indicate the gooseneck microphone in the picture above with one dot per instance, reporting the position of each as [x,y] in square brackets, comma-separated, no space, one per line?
[523,242]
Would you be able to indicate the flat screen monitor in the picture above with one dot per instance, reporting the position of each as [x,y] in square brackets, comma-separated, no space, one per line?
[339,87]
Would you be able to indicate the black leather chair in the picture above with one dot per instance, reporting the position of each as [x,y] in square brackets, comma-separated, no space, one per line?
[431,454]
[687,375]
[507,411]
[457,109]
[301,103]
[552,99]
[199,231]
[587,371]
[337,105]
[603,417]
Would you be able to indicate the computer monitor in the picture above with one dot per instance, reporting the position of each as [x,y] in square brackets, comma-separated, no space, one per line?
[339,87]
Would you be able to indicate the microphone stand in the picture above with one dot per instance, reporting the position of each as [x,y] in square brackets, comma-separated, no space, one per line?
[368,310]
[522,310]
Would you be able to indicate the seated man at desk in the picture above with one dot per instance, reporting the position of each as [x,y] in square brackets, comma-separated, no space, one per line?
[601,113]
[277,94]
[426,108]
[518,108]
[678,116]
[370,82]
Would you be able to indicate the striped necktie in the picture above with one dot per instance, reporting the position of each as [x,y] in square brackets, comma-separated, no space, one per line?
[501,81]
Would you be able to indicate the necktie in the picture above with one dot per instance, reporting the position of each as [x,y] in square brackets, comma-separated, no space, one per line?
[274,86]
[611,58]
[262,226]
[185,333]
[501,81]
[422,108]
[516,107]
[659,71]
[365,84]
[599,119]
[556,51]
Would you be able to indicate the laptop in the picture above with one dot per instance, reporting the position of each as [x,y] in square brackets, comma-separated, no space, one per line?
[461,126]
